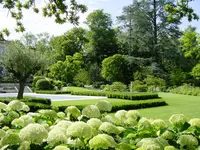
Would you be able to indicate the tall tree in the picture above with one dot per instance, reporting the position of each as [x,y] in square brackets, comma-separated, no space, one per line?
[149,34]
[102,37]
[22,61]
[71,42]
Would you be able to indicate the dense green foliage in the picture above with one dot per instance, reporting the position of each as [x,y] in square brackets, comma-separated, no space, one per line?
[186,89]
[115,87]
[132,96]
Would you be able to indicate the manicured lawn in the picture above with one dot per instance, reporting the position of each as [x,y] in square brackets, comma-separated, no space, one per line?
[73,88]
[185,104]
[92,101]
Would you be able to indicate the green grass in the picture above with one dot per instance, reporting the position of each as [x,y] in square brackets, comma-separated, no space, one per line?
[73,88]
[90,102]
[184,104]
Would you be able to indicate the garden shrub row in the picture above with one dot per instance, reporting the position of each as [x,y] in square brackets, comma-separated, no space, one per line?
[186,89]
[128,106]
[89,93]
[133,96]
[53,92]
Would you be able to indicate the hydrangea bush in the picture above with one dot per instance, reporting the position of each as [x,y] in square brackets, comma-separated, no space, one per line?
[93,129]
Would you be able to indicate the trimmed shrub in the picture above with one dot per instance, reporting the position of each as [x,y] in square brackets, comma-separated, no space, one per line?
[130,96]
[35,79]
[136,105]
[43,84]
[115,87]
[53,92]
[89,93]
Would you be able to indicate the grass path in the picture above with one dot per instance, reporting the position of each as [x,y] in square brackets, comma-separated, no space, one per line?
[184,104]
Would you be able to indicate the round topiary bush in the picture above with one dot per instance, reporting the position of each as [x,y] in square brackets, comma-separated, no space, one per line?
[43,84]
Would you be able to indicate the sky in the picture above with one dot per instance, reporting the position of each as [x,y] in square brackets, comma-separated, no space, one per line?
[36,24]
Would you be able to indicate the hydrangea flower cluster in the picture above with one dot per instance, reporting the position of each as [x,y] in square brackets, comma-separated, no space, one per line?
[91,111]
[177,119]
[33,133]
[125,130]
[73,111]
[102,141]
[79,129]
[104,106]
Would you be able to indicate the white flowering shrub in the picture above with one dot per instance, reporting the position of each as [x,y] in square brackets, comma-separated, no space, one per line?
[125,130]
[3,106]
[79,129]
[177,120]
[72,112]
[56,137]
[104,106]
[33,133]
[102,141]
[109,128]
[91,111]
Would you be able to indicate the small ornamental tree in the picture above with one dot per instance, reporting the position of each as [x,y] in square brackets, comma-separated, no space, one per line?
[22,61]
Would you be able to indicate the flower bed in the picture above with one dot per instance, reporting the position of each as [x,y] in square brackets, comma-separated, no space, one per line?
[92,128]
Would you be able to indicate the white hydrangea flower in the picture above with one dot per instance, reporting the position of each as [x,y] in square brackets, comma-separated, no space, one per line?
[109,128]
[2,133]
[102,141]
[168,135]
[121,129]
[22,121]
[170,148]
[10,139]
[63,125]
[34,133]
[72,110]
[109,118]
[104,106]
[94,123]
[56,136]
[61,148]
[188,140]
[46,126]
[158,124]
[3,106]
[34,114]
[152,143]
[61,115]
[133,114]
[195,122]
[91,111]
[177,119]
[79,129]
[15,105]
[25,108]
[18,122]
[121,115]
[48,113]
[130,122]
[75,143]
[144,123]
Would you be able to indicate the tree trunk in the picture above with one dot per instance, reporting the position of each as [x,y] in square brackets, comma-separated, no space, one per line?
[21,89]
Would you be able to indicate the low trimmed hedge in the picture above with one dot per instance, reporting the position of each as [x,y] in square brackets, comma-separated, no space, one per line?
[135,105]
[89,93]
[53,92]
[132,96]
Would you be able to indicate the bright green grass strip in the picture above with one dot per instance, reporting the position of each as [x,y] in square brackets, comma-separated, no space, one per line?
[89,102]
[184,104]
[73,88]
